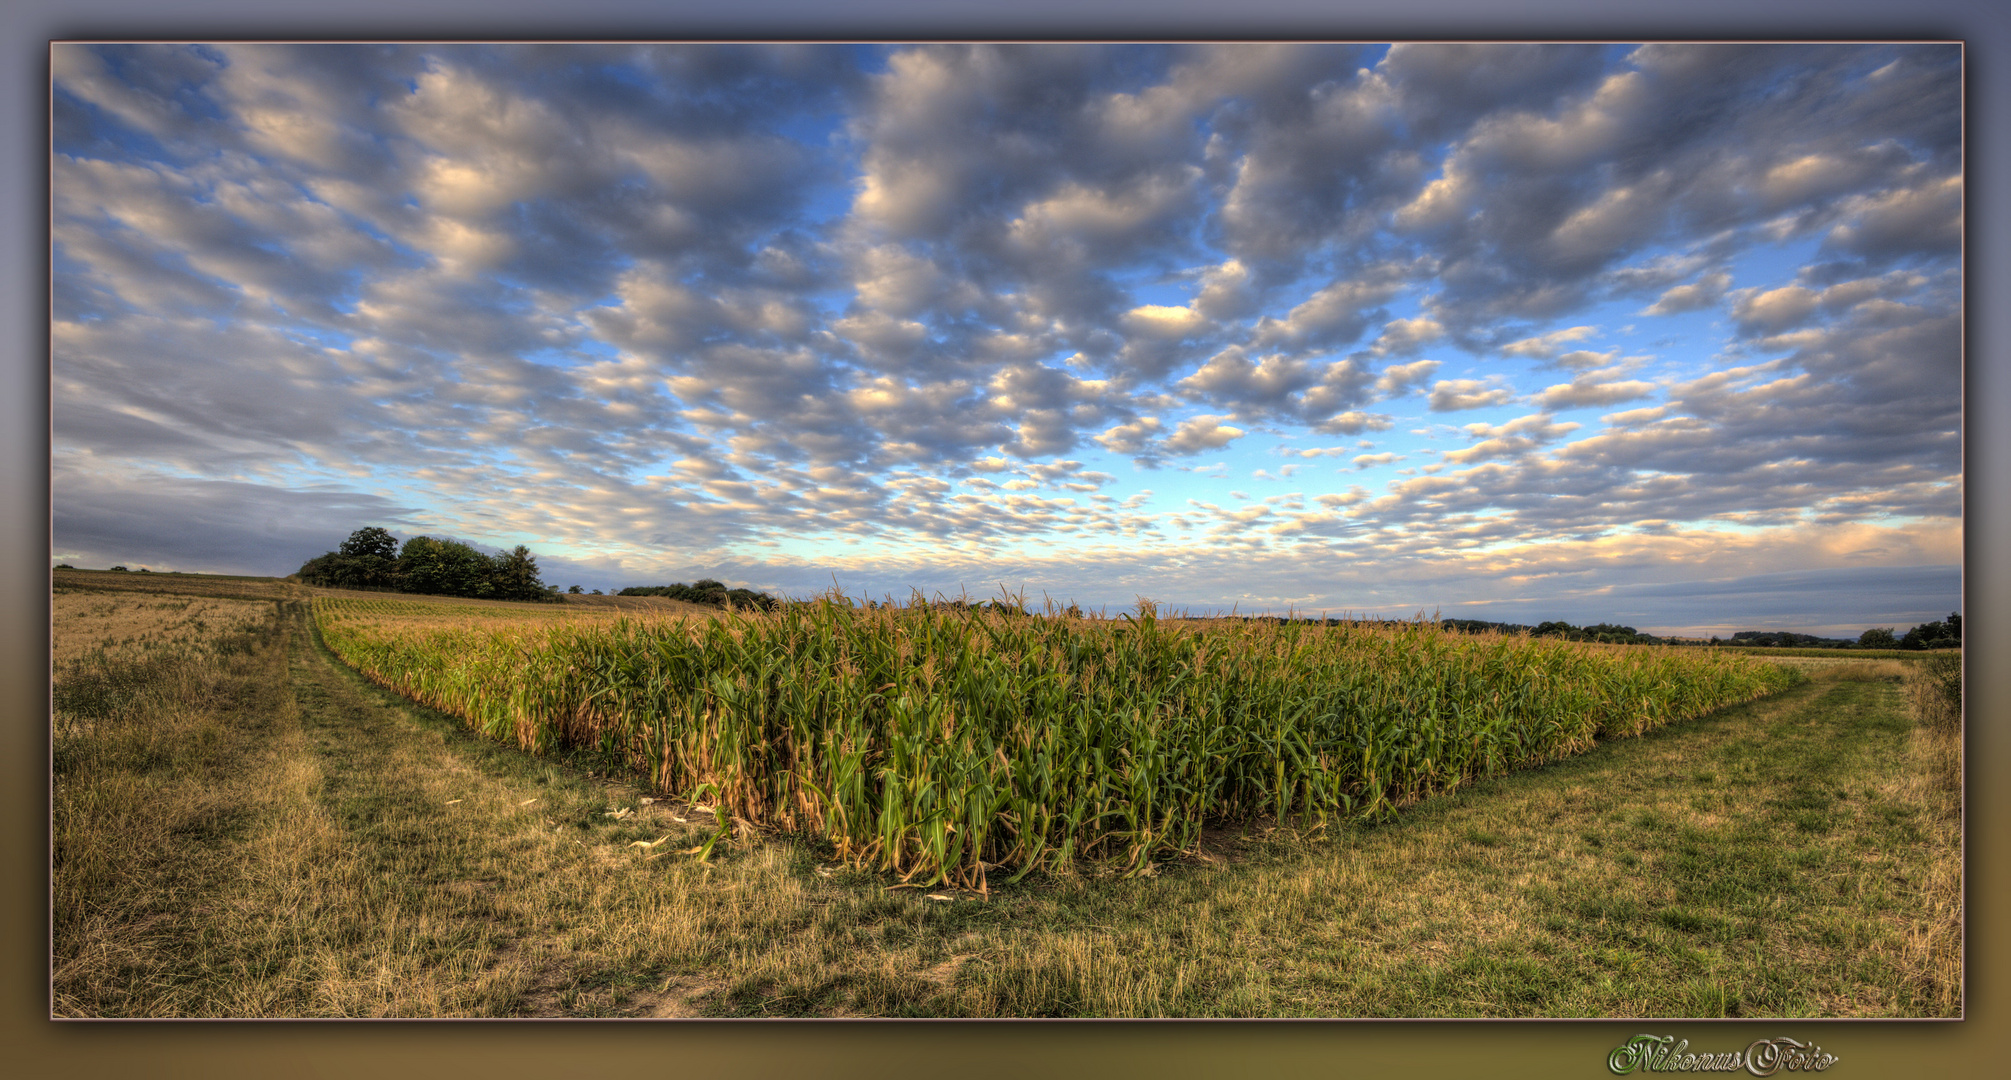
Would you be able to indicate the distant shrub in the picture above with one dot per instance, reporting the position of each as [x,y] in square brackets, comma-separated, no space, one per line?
[1934,691]
[705,591]
[1605,633]
[1785,639]
[1935,635]
[120,569]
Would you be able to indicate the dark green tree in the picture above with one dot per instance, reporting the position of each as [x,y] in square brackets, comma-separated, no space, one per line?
[1939,634]
[371,542]
[1878,637]
[444,568]
[372,558]
[514,575]
[367,560]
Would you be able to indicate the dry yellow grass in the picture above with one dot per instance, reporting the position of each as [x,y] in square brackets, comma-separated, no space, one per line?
[176,584]
[124,627]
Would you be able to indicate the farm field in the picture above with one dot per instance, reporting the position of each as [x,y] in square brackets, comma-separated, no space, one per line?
[941,743]
[1839,655]
[247,828]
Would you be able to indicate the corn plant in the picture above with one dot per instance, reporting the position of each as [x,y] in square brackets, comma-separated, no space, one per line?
[943,743]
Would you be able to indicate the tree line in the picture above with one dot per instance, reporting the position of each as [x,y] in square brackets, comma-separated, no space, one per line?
[372,559]
[1604,633]
[1940,634]
[706,591]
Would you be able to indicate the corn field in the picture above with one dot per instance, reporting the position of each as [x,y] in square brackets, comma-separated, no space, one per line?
[944,745]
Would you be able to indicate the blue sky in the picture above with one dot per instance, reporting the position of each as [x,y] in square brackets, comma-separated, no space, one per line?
[1665,335]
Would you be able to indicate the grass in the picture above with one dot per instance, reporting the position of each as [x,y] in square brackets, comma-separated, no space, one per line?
[280,838]
[1841,656]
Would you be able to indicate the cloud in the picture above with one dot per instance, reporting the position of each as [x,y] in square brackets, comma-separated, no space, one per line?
[170,523]
[1774,310]
[1918,220]
[1516,437]
[1131,438]
[1452,395]
[1589,391]
[1336,315]
[1398,378]
[1547,346]
[792,310]
[1404,337]
[1535,205]
[1705,292]
[1201,433]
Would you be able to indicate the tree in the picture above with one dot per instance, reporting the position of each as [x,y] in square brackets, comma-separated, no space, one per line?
[1878,637]
[371,542]
[372,558]
[1935,635]
[514,575]
[705,591]
[444,568]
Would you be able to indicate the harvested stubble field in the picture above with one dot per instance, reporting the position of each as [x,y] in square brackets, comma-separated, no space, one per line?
[245,828]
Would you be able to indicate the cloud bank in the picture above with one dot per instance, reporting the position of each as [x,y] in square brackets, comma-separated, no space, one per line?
[1524,323]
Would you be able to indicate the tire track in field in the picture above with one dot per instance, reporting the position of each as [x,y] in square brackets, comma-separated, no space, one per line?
[479,880]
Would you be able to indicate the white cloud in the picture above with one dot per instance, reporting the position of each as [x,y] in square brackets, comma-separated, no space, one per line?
[1453,395]
[1201,433]
[1547,346]
[1705,292]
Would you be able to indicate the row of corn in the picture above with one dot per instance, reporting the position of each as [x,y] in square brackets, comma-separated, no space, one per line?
[942,743]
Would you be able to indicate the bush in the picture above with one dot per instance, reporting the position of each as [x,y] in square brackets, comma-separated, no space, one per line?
[1934,691]
[705,591]
[1935,635]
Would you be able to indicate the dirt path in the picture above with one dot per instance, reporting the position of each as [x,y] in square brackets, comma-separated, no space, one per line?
[471,875]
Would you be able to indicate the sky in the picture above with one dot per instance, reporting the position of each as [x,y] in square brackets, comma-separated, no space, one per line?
[1664,335]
